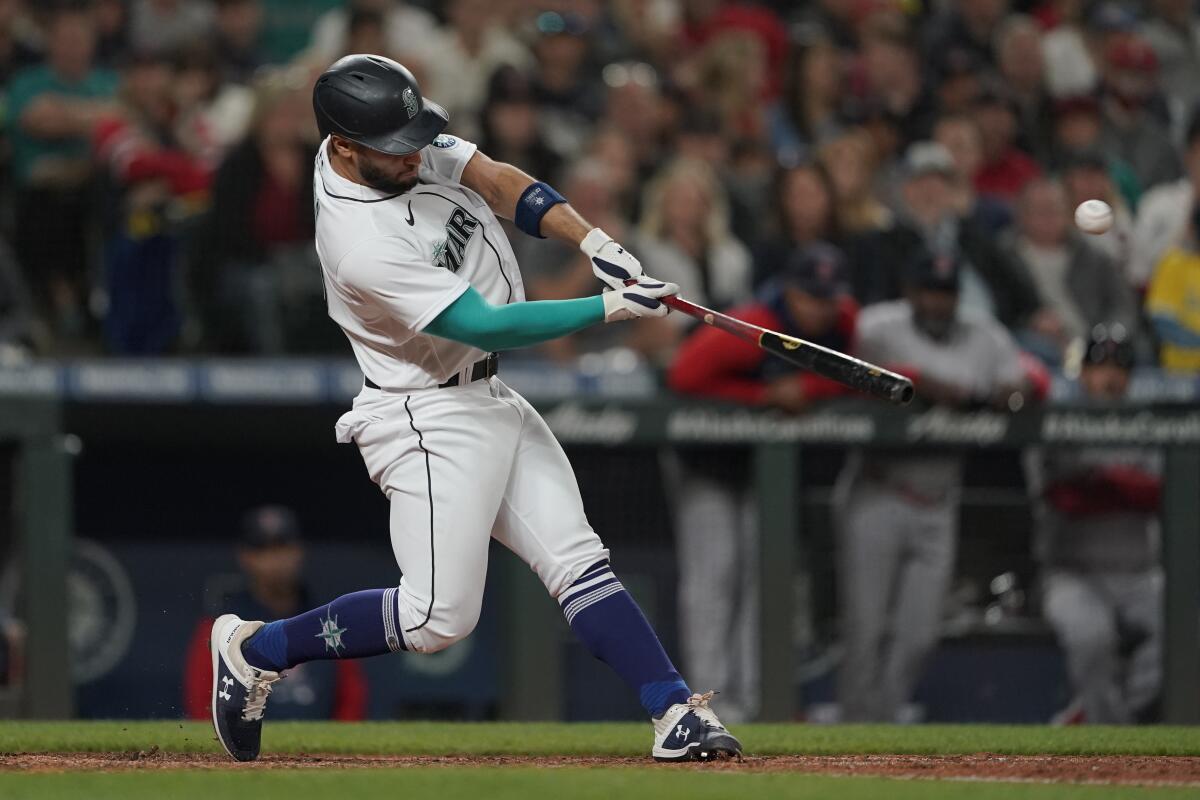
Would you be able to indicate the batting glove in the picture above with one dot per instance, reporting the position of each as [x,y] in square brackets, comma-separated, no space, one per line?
[637,300]
[611,262]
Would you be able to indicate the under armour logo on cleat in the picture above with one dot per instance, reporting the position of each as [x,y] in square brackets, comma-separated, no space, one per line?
[682,732]
[224,693]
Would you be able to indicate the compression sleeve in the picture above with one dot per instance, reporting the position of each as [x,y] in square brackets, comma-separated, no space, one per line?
[472,320]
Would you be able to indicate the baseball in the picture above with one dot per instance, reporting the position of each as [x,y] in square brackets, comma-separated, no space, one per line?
[1094,216]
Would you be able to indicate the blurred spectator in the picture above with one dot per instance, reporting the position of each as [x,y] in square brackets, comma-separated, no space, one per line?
[709,20]
[151,182]
[716,528]
[808,111]
[1170,300]
[1173,32]
[1023,72]
[1078,127]
[163,26]
[891,74]
[18,44]
[961,137]
[1097,540]
[1085,176]
[211,114]
[566,83]
[461,57]
[992,281]
[1135,126]
[968,25]
[684,237]
[1078,284]
[958,76]
[112,32]
[257,269]
[287,27]
[806,212]
[53,108]
[1070,68]
[237,29]
[1006,168]
[406,30]
[511,129]
[1165,213]
[616,153]
[270,557]
[552,270]
[871,234]
[896,512]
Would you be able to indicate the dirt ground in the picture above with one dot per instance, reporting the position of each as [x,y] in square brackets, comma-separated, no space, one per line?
[1127,770]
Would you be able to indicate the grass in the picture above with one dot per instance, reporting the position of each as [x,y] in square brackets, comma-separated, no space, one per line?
[579,783]
[527,784]
[614,739]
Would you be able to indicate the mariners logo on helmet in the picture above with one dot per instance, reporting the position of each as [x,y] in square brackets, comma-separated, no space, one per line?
[410,102]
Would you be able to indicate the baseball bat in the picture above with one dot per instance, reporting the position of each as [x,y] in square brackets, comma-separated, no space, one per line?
[836,366]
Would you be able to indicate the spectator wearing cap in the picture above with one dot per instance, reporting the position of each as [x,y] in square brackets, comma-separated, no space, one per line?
[992,281]
[237,28]
[1006,168]
[896,512]
[565,80]
[1079,285]
[1085,176]
[1096,537]
[406,30]
[715,523]
[1135,121]
[1173,31]
[52,110]
[1164,215]
[270,585]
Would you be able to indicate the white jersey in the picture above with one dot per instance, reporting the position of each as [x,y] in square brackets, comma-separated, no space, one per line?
[393,262]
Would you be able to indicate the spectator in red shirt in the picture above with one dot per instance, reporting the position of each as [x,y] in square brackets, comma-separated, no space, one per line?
[270,555]
[716,529]
[1006,168]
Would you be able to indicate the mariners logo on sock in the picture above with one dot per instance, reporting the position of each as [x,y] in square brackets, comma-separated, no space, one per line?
[331,633]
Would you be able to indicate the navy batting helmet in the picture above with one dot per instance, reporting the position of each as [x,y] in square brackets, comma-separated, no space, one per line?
[376,102]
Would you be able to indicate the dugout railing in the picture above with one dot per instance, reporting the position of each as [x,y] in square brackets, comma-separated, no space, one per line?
[172,403]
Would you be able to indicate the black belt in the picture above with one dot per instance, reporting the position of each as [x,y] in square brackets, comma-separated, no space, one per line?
[483,368]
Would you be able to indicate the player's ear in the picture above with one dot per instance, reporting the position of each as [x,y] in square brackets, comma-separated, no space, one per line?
[343,147]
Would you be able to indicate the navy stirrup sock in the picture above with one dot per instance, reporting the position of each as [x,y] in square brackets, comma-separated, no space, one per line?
[353,626]
[613,628]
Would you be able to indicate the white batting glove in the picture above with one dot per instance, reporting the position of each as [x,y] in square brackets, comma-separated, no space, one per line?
[637,300]
[611,262]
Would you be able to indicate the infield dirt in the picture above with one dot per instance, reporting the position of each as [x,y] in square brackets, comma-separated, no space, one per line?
[1121,770]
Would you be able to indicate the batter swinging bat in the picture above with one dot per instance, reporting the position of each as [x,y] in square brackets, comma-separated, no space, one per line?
[821,360]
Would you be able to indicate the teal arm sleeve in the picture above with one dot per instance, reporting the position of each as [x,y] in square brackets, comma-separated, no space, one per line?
[473,320]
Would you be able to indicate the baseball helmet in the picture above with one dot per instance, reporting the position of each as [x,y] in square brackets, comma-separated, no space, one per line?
[376,102]
[1109,344]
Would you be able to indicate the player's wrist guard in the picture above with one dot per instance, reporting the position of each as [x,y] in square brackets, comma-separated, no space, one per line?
[535,201]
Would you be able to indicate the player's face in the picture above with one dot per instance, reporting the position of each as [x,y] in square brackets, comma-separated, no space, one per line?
[934,311]
[815,316]
[391,174]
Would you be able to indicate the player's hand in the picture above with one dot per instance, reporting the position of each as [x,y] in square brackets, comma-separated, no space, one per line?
[611,262]
[638,299]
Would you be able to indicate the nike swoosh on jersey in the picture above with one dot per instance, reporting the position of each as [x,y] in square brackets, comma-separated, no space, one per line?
[410,219]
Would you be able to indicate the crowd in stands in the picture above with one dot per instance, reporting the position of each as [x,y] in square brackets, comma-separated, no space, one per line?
[156,156]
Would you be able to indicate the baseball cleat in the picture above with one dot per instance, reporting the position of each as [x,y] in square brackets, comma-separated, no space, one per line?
[239,694]
[691,732]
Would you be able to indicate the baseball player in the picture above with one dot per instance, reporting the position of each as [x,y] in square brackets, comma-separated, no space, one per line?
[1097,526]
[422,280]
[897,512]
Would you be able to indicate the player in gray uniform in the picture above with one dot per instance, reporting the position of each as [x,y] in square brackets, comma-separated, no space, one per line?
[1097,539]
[422,280]
[897,511]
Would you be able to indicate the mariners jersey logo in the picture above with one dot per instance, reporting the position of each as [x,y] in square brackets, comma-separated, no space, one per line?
[410,102]
[459,230]
[444,141]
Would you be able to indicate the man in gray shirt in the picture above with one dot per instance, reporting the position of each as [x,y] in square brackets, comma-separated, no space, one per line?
[897,511]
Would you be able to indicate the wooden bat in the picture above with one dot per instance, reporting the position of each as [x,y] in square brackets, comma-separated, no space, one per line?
[833,365]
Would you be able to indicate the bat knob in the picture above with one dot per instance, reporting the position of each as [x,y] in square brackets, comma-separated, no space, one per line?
[708,319]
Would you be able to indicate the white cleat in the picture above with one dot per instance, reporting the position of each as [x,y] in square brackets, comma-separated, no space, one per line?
[691,732]
[240,691]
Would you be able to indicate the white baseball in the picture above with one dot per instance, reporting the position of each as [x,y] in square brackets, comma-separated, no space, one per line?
[1094,216]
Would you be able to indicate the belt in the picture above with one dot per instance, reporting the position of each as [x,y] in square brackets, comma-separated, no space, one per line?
[483,368]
